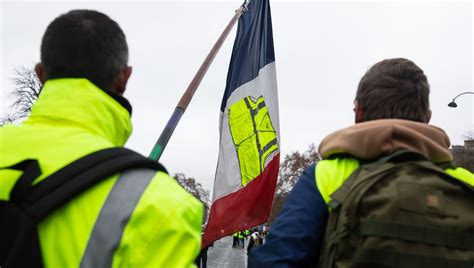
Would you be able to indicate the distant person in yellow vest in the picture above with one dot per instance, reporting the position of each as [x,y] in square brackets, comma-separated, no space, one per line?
[141,218]
[235,239]
[241,239]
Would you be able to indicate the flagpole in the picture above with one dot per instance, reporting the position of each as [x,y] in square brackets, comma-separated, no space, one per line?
[189,93]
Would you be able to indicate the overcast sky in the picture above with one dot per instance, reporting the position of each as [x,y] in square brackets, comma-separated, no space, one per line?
[322,50]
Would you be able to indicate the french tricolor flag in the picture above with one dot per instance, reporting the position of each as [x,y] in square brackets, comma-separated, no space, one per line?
[249,153]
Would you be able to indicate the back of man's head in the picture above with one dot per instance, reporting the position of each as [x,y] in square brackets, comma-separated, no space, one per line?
[84,44]
[394,88]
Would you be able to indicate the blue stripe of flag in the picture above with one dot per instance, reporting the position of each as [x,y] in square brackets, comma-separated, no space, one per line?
[253,47]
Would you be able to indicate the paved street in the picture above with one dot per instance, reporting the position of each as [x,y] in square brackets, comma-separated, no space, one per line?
[222,255]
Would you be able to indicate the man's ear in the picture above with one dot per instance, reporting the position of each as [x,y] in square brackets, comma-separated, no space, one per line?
[40,72]
[120,83]
[357,112]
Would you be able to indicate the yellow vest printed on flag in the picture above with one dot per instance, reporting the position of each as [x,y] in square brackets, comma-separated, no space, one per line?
[253,135]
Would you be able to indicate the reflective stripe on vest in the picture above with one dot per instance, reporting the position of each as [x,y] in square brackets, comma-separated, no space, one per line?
[114,216]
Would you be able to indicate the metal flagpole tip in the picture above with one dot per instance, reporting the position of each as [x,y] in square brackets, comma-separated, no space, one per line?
[452,104]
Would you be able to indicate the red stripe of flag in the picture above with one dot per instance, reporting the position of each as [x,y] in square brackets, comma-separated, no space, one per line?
[244,209]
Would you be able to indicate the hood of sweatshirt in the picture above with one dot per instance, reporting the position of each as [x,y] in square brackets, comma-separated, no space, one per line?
[373,139]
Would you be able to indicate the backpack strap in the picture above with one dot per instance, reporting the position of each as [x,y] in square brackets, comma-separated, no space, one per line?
[369,257]
[31,171]
[60,187]
[421,234]
[398,156]
[339,196]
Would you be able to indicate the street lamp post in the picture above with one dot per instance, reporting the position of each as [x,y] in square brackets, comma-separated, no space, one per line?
[453,104]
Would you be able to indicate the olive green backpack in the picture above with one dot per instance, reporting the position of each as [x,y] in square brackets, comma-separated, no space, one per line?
[400,211]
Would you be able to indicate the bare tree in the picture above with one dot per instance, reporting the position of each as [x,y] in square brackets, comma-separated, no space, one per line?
[193,187]
[290,170]
[26,89]
[7,119]
[196,189]
[469,135]
[293,166]
[463,155]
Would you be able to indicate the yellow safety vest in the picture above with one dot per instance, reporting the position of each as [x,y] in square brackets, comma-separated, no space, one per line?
[71,119]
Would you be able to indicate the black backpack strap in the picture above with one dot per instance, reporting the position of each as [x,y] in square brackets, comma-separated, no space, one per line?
[65,184]
[75,168]
[31,171]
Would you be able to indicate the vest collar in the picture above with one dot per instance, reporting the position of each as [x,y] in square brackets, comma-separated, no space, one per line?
[78,102]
